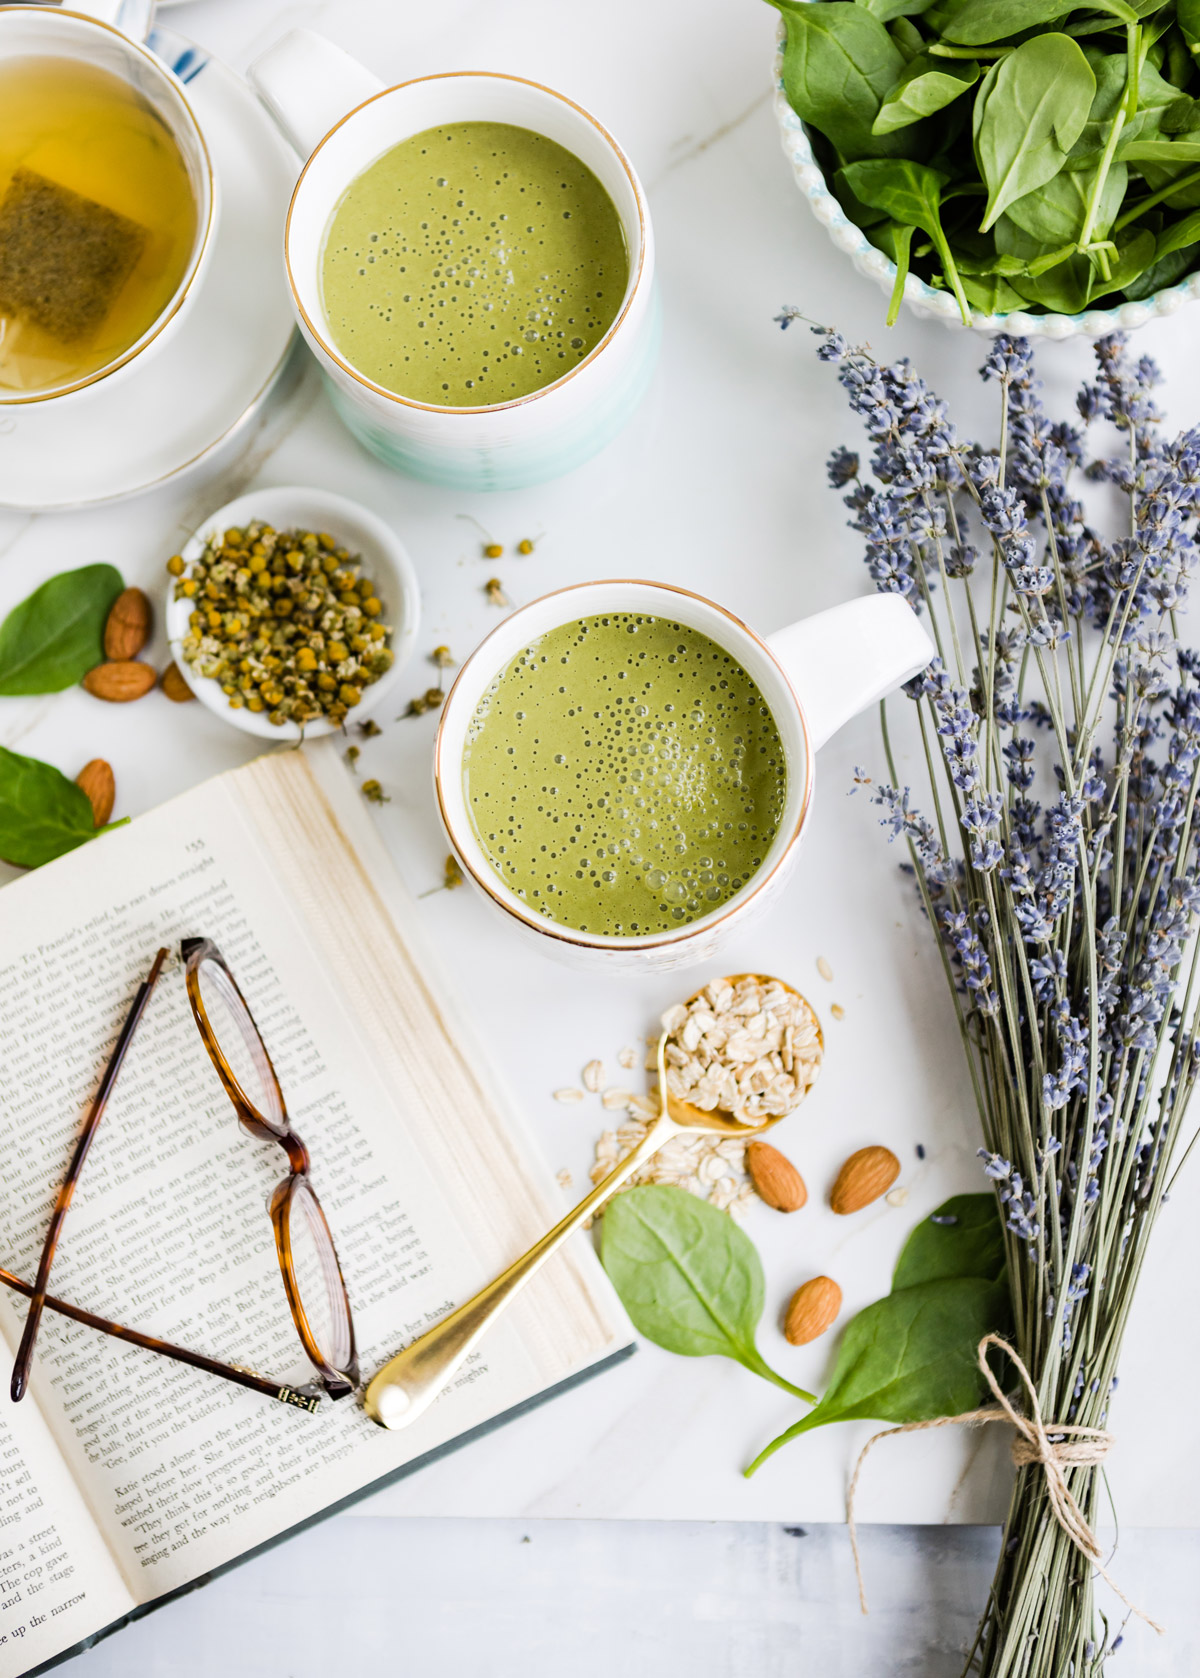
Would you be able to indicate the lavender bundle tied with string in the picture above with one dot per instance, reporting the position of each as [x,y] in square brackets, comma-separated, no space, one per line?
[1054,849]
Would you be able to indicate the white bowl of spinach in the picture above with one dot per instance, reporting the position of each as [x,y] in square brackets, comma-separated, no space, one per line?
[1016,165]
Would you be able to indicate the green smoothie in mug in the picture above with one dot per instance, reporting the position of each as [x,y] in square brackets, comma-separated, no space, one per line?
[472,264]
[624,775]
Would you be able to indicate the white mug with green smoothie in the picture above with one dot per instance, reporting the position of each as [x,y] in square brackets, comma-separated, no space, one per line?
[470,260]
[625,769]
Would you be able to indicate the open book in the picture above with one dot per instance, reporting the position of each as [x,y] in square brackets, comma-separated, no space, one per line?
[125,1476]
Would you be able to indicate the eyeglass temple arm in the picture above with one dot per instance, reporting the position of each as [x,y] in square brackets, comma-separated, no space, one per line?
[228,1371]
[24,1358]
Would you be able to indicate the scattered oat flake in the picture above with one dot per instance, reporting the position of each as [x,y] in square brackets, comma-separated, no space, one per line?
[627,1058]
[568,1094]
[823,968]
[563,1178]
[593,1076]
[836,1009]
[616,1100]
[897,1196]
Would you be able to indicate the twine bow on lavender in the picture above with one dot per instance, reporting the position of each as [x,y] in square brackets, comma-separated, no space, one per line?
[1053,1448]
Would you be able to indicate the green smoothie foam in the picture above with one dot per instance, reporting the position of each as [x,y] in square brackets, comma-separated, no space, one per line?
[624,775]
[472,264]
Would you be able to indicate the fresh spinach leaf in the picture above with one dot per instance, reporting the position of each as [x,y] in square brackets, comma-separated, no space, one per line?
[1167,153]
[1055,213]
[909,1357]
[56,635]
[42,814]
[907,37]
[1187,16]
[980,22]
[991,294]
[886,10]
[1182,116]
[1164,271]
[690,1279]
[1030,111]
[964,1237]
[838,64]
[1180,236]
[911,194]
[1074,284]
[926,86]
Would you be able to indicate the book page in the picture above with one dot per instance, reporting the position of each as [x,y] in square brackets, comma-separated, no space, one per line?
[58,1582]
[169,1231]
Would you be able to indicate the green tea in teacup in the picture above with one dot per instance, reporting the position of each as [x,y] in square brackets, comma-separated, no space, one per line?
[624,775]
[97,220]
[472,264]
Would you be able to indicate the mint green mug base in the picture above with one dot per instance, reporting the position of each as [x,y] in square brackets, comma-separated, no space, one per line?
[523,463]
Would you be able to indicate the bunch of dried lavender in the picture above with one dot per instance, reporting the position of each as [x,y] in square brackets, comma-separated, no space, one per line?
[1061,732]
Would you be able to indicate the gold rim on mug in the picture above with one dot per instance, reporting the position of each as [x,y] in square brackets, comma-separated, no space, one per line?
[660,940]
[180,296]
[516,401]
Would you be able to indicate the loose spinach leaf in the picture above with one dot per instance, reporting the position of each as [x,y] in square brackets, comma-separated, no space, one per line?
[690,1279]
[42,814]
[838,64]
[1029,112]
[926,86]
[972,1244]
[910,1357]
[1187,16]
[911,194]
[56,635]
[979,22]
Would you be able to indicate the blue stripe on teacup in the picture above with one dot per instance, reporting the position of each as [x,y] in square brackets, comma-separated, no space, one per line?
[185,60]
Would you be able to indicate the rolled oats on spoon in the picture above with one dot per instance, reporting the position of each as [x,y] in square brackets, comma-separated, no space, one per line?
[748,1046]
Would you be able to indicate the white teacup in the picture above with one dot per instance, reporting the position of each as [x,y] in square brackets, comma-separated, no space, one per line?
[49,32]
[329,106]
[814,675]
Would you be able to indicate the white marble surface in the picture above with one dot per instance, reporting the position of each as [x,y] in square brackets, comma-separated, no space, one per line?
[718,483]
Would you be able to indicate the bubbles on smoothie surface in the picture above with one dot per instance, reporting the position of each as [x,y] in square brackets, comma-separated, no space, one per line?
[471,264]
[624,775]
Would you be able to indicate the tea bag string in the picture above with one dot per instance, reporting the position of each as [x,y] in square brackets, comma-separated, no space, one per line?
[1053,1447]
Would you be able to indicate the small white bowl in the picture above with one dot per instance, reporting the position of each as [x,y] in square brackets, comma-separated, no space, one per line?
[923,299]
[384,559]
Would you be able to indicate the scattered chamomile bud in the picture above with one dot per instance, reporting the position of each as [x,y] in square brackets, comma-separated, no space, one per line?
[433,698]
[352,756]
[492,550]
[525,546]
[175,565]
[369,729]
[495,592]
[416,707]
[452,874]
[374,793]
[443,658]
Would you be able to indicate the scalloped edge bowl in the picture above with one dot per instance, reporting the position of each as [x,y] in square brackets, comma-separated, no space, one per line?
[922,299]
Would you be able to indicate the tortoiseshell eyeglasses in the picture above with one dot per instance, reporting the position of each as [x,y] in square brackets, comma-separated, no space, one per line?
[308,1261]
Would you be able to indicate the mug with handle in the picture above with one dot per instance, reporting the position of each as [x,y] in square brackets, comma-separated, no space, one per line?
[342,119]
[109,35]
[814,675]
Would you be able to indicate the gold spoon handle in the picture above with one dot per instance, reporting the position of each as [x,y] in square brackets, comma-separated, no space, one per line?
[410,1381]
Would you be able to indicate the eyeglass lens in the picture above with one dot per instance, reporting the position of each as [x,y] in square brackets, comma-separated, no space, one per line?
[239,1042]
[318,1282]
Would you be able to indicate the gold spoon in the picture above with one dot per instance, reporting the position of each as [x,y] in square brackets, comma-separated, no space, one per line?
[408,1383]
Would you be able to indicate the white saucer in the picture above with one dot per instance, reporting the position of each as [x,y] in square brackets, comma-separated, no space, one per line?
[138,430]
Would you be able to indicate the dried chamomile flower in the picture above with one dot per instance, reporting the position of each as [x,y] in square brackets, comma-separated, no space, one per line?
[352,756]
[453,874]
[374,793]
[495,592]
[369,729]
[284,621]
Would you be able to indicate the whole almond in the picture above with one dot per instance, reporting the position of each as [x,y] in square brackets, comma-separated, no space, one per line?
[864,1177]
[775,1177]
[128,626]
[96,779]
[174,686]
[120,681]
[813,1308]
